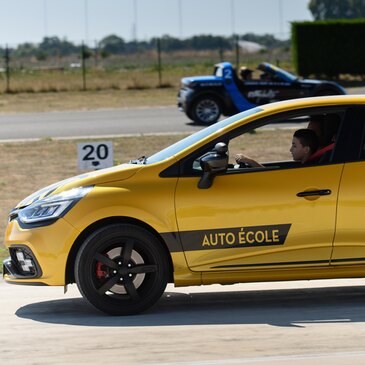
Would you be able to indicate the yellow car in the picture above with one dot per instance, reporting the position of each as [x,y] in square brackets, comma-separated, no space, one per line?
[191,215]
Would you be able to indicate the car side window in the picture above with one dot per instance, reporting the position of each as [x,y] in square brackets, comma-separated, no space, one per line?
[264,144]
[270,146]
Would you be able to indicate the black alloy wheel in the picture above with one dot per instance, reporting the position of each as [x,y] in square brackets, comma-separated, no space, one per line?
[122,269]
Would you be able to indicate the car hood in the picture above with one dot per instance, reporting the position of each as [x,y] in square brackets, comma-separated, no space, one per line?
[117,173]
[318,82]
[311,81]
[201,79]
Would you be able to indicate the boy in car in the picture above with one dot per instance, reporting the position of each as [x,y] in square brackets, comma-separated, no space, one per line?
[304,144]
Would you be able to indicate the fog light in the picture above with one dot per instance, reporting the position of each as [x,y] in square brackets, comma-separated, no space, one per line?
[26,264]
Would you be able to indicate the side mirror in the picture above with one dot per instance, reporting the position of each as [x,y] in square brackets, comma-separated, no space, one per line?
[214,163]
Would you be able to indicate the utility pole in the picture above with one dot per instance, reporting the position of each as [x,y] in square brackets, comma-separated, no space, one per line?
[135,34]
[281,32]
[45,20]
[180,19]
[233,25]
[86,14]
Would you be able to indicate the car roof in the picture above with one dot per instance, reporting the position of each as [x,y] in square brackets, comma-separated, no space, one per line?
[316,101]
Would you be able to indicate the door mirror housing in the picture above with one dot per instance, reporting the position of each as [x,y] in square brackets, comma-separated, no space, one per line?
[212,164]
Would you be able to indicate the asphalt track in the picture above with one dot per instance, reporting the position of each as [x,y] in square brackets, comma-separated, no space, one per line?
[94,123]
[302,323]
[99,123]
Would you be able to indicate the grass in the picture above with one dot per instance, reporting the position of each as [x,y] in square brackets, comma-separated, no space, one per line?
[26,81]
[29,166]
[86,100]
[120,88]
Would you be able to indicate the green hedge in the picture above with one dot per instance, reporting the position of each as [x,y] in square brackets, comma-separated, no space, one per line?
[329,47]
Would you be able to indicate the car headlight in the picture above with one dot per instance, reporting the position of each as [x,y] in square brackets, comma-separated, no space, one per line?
[52,207]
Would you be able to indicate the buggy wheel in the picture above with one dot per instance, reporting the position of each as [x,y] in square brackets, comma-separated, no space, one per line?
[206,110]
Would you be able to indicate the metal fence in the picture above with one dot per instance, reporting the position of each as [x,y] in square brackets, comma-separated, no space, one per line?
[90,70]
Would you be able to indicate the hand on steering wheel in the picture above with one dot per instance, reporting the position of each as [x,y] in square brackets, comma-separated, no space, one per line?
[240,160]
[240,165]
[246,161]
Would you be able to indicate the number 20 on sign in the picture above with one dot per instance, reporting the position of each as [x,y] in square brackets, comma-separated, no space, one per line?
[95,155]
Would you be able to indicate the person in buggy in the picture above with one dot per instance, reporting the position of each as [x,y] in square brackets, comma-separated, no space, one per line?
[246,73]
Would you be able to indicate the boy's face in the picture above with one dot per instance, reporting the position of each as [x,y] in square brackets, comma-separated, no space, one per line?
[298,151]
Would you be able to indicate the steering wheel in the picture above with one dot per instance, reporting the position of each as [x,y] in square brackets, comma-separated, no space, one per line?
[241,165]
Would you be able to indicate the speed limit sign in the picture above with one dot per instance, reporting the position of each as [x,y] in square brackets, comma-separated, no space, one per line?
[95,155]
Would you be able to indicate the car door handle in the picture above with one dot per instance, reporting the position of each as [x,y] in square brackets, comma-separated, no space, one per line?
[314,193]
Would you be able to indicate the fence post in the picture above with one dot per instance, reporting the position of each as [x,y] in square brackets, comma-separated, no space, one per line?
[96,53]
[237,48]
[221,54]
[7,69]
[83,65]
[159,64]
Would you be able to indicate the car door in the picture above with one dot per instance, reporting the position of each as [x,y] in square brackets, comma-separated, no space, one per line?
[269,88]
[349,243]
[262,92]
[273,217]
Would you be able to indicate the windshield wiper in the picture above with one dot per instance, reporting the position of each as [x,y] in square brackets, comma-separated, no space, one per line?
[140,161]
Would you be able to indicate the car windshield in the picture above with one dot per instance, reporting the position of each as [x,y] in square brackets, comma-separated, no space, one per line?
[192,139]
[218,71]
[285,75]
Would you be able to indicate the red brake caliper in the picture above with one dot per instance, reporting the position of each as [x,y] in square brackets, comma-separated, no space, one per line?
[100,273]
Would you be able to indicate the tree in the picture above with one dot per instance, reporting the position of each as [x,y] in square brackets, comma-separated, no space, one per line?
[170,43]
[208,41]
[267,40]
[337,9]
[26,50]
[53,46]
[112,44]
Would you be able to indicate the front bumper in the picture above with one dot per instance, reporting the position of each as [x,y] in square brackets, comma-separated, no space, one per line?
[183,99]
[22,264]
[38,255]
[180,101]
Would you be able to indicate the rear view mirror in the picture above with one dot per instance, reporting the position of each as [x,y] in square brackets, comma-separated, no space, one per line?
[212,164]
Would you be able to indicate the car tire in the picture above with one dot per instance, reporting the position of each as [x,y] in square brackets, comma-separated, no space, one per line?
[122,269]
[206,110]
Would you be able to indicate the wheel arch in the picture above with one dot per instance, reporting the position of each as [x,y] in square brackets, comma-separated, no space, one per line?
[70,264]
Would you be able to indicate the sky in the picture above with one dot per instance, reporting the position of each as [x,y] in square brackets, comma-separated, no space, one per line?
[91,20]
